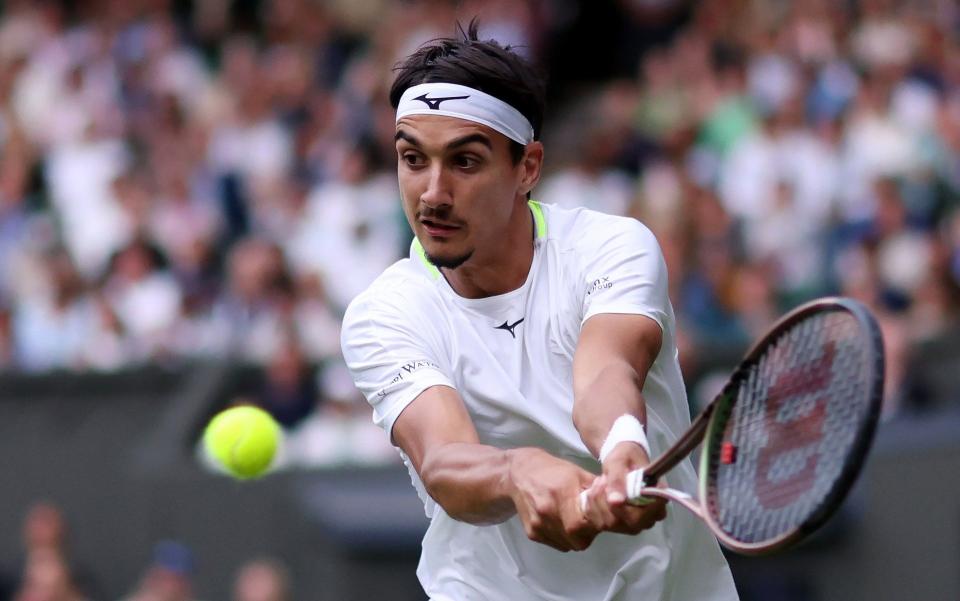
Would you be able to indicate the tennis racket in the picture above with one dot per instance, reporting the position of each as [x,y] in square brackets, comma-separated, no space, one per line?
[786,437]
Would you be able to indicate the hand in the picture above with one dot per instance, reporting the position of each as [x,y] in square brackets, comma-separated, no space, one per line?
[607,507]
[545,493]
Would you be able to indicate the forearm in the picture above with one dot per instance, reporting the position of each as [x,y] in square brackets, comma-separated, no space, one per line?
[471,481]
[611,392]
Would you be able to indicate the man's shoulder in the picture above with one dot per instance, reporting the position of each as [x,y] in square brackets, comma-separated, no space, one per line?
[402,288]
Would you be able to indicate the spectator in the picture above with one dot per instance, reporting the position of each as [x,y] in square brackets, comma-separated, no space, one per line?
[65,327]
[47,578]
[169,576]
[45,529]
[341,432]
[144,296]
[246,321]
[262,580]
[7,345]
[47,573]
[352,219]
[591,178]
[288,389]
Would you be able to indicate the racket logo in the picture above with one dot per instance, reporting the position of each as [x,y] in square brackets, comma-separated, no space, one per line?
[728,453]
[793,441]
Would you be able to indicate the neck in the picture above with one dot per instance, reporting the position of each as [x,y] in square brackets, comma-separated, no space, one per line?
[501,267]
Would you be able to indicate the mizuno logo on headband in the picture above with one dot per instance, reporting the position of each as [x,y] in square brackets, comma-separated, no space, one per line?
[434,103]
[463,102]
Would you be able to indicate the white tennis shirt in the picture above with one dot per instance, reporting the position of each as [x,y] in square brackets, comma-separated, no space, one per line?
[510,358]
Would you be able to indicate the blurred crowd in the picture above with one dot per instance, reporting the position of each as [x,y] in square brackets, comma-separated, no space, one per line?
[191,180]
[782,152]
[49,571]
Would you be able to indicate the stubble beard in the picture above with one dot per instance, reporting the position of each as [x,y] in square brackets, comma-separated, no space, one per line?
[451,262]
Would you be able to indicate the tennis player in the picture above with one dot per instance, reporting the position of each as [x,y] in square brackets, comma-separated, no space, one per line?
[521,355]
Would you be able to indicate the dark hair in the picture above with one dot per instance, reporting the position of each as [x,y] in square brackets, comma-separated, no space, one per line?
[484,65]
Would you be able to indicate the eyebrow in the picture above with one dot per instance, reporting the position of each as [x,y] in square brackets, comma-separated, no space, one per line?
[463,141]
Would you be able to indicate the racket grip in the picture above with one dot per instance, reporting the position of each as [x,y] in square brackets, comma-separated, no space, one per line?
[634,489]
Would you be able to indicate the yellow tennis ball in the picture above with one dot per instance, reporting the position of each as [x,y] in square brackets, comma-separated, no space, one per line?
[243,440]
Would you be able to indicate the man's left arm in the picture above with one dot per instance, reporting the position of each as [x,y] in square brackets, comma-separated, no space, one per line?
[610,366]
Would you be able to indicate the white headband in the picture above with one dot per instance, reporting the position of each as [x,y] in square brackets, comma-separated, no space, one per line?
[462,102]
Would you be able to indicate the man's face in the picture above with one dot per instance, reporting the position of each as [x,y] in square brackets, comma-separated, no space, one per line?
[459,185]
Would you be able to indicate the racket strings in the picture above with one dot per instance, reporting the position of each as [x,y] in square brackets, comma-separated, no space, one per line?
[794,420]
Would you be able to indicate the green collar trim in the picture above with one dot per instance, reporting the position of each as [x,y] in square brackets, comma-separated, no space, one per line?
[538,218]
[431,268]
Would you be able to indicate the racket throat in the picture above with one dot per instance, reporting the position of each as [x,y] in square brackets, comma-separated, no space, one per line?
[683,447]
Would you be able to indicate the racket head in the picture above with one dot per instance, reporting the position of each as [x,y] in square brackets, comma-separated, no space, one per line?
[792,428]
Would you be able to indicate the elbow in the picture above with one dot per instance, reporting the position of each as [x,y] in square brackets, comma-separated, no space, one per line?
[452,486]
[435,473]
[431,474]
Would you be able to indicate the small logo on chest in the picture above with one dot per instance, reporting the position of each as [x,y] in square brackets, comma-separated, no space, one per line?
[509,327]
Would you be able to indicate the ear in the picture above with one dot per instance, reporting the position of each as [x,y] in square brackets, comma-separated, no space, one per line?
[530,166]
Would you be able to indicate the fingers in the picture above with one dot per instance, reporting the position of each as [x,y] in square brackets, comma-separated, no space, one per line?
[553,515]
[567,531]
[625,518]
[635,519]
[550,510]
[597,510]
[548,500]
[543,532]
[620,516]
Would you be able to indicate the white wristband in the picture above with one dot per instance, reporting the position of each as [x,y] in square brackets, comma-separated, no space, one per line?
[626,428]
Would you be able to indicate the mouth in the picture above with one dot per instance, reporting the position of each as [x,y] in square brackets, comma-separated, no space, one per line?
[438,229]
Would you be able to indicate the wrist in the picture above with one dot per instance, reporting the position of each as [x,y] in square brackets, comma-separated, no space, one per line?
[513,460]
[626,428]
[626,453]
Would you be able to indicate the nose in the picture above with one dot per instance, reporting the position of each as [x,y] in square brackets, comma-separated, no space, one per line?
[437,193]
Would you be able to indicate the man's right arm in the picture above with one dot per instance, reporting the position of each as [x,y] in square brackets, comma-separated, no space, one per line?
[481,484]
[400,369]
[469,480]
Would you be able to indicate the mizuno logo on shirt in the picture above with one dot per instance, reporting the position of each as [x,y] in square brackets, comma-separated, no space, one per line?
[434,103]
[508,327]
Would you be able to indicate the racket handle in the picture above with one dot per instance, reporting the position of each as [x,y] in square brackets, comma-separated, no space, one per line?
[639,494]
[634,486]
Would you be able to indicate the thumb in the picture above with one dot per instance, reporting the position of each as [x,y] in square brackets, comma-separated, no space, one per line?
[625,457]
[615,473]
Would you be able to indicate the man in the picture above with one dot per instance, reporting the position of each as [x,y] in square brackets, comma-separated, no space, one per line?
[519,351]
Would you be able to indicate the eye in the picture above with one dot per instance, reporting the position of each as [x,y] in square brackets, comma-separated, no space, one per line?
[412,159]
[465,161]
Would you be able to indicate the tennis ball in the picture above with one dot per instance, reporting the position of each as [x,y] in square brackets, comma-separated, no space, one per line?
[243,440]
